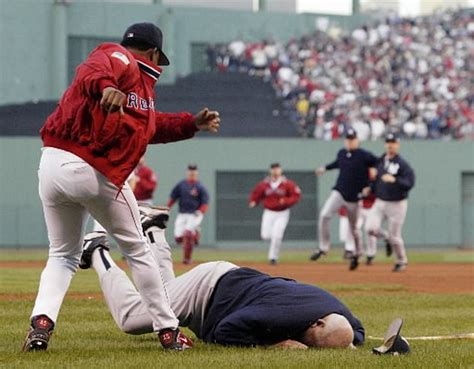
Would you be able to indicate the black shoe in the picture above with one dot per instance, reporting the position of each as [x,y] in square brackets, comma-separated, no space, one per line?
[272,262]
[153,216]
[388,248]
[399,267]
[317,255]
[92,241]
[174,340]
[348,255]
[38,336]
[354,263]
[370,260]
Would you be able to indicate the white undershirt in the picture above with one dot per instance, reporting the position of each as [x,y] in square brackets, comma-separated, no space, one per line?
[274,184]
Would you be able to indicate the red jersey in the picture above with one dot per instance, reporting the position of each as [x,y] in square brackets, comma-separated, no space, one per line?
[368,201]
[146,183]
[110,142]
[284,196]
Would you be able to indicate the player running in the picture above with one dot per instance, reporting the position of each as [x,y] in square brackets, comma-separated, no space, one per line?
[193,201]
[345,233]
[92,142]
[395,178]
[278,194]
[353,164]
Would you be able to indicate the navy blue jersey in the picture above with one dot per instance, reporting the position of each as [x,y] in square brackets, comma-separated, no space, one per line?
[403,173]
[353,172]
[191,196]
[250,308]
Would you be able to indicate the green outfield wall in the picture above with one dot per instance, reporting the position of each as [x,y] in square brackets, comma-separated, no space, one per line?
[436,215]
[42,41]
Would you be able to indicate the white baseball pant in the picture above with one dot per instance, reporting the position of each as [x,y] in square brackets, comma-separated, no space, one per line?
[69,188]
[332,205]
[395,213]
[273,229]
[187,222]
[189,293]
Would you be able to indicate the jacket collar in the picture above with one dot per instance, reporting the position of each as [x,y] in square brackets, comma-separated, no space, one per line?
[147,67]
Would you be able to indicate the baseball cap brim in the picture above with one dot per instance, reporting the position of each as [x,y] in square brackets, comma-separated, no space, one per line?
[163,59]
[393,343]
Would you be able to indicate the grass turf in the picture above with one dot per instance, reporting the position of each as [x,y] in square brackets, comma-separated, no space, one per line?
[86,335]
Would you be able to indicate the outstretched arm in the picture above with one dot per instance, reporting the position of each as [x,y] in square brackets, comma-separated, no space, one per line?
[172,127]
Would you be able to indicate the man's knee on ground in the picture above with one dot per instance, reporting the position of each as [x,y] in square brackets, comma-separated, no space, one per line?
[130,325]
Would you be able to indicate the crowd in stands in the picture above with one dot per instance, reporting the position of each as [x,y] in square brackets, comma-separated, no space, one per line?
[414,76]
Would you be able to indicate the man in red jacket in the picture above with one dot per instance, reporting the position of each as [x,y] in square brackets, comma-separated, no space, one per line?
[278,194]
[145,182]
[92,142]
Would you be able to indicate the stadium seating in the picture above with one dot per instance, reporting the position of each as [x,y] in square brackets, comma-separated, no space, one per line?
[247,105]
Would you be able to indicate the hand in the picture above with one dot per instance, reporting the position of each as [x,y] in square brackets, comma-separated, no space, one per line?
[252,204]
[291,345]
[366,191]
[372,173]
[207,120]
[320,171]
[112,100]
[388,178]
[198,213]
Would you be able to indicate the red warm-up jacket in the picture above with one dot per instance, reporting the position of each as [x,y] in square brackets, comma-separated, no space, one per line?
[283,197]
[146,183]
[110,142]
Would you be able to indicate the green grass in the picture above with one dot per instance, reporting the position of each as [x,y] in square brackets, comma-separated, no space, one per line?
[86,335]
[259,255]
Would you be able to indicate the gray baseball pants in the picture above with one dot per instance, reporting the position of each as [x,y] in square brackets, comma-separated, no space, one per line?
[332,205]
[395,213]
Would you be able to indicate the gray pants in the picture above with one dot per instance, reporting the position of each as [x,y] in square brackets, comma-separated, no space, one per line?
[395,213]
[332,205]
[189,295]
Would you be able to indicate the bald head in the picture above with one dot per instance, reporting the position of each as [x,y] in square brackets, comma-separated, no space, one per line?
[333,331]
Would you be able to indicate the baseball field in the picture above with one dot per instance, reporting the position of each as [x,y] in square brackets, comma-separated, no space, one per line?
[435,297]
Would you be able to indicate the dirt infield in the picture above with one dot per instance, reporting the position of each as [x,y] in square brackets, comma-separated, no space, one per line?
[429,278]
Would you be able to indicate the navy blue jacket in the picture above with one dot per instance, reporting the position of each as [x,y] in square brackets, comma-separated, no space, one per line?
[405,179]
[191,196]
[353,172]
[250,308]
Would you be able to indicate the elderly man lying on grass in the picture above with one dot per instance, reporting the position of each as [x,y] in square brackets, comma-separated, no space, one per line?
[223,303]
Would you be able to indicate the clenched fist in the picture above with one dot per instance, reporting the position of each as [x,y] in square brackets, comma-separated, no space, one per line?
[112,100]
[208,120]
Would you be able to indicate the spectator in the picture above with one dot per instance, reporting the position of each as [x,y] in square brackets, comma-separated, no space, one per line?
[413,76]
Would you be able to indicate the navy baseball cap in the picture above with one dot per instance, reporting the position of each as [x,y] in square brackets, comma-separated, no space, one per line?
[192,167]
[146,33]
[393,342]
[391,137]
[351,133]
